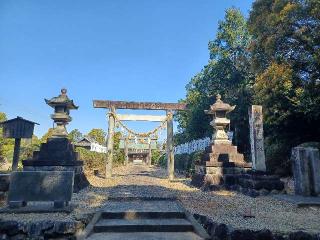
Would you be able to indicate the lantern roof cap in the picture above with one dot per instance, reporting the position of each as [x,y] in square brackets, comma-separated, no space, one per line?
[17,118]
[219,105]
[61,100]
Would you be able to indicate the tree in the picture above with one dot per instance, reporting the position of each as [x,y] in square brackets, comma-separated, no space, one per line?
[118,154]
[228,74]
[47,135]
[285,58]
[75,135]
[98,134]
[28,146]
[3,117]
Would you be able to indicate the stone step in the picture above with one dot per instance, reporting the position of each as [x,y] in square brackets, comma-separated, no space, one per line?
[142,207]
[143,225]
[145,235]
[142,215]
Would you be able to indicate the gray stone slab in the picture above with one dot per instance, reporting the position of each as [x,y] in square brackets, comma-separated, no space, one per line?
[300,201]
[41,186]
[145,235]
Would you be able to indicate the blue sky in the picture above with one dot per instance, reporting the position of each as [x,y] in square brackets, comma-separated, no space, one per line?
[135,50]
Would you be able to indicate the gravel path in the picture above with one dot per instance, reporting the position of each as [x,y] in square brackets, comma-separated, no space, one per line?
[222,206]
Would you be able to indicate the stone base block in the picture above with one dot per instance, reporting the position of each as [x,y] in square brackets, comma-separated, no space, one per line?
[80,180]
[206,180]
[267,182]
[236,179]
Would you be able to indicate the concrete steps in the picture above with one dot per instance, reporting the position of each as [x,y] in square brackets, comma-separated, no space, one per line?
[141,219]
[141,215]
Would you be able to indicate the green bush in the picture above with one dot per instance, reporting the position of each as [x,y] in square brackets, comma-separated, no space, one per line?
[278,157]
[156,154]
[118,157]
[185,162]
[162,161]
[95,160]
[92,160]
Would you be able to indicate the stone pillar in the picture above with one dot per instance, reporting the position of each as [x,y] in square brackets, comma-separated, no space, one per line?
[256,138]
[306,168]
[16,154]
[170,153]
[126,155]
[111,126]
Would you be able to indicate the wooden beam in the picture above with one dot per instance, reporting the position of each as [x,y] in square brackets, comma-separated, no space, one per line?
[132,117]
[138,105]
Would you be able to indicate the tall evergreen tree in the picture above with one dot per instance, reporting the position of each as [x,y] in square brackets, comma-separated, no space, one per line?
[227,73]
[285,54]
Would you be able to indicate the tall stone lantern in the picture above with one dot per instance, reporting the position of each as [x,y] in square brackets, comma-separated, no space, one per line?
[221,162]
[220,121]
[62,106]
[58,153]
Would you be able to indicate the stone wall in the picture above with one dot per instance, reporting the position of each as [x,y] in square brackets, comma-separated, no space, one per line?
[42,229]
[221,231]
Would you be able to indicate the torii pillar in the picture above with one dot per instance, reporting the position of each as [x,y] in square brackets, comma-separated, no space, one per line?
[110,140]
[170,153]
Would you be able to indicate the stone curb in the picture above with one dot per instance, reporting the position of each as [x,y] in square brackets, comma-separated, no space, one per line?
[40,230]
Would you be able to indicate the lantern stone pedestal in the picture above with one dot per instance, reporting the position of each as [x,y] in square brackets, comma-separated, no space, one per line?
[58,154]
[220,165]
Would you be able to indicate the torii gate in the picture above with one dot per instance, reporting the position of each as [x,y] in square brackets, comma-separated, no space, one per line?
[168,107]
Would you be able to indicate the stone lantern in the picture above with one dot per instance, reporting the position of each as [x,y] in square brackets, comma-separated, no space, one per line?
[220,121]
[58,153]
[62,106]
[223,166]
[221,163]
